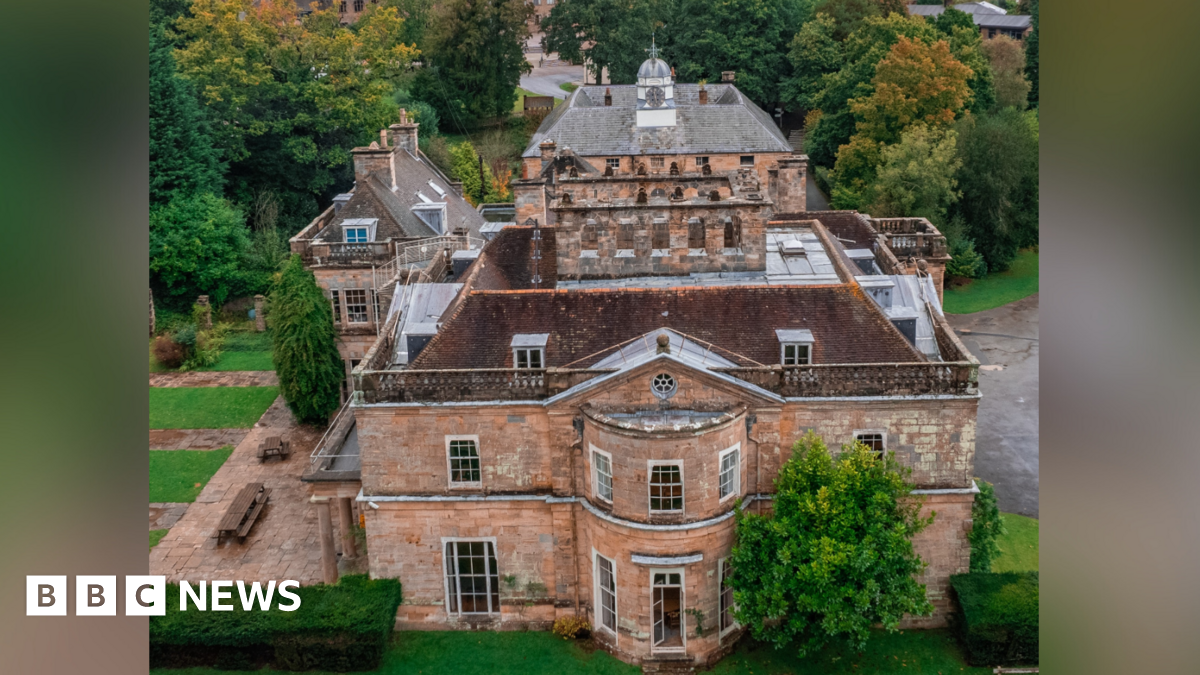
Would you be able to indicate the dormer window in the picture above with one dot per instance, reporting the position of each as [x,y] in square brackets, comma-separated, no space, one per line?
[432,214]
[529,350]
[358,230]
[795,346]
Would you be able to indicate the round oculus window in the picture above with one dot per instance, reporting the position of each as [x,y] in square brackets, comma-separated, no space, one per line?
[663,385]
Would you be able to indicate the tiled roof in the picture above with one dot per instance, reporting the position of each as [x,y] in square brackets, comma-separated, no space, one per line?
[506,263]
[846,325]
[846,226]
[728,123]
[393,208]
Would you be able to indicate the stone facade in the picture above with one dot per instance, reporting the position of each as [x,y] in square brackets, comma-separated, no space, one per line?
[537,500]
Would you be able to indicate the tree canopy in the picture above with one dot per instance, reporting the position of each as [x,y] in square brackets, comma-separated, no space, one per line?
[475,55]
[915,177]
[835,557]
[197,244]
[182,158]
[1007,57]
[305,345]
[290,97]
[1031,56]
[612,34]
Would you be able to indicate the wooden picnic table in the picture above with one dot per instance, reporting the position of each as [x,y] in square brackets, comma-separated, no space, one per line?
[243,511]
[274,446]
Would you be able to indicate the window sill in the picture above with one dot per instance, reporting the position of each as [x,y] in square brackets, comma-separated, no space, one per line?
[466,486]
[624,253]
[587,253]
[660,253]
[697,253]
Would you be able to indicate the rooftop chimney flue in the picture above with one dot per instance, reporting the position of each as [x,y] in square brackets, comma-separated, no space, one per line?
[607,96]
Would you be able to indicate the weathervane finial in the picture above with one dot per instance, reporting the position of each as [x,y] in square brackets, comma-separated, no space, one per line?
[653,47]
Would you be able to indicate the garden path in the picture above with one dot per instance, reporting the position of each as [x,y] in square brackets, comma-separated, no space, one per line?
[283,542]
[215,378]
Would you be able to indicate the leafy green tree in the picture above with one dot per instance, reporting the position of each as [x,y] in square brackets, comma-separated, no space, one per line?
[862,52]
[465,167]
[475,53]
[1031,56]
[751,37]
[952,18]
[417,15]
[986,527]
[612,34]
[197,245]
[915,177]
[836,556]
[182,158]
[847,15]
[165,12]
[305,345]
[1008,67]
[290,97]
[967,46]
[999,183]
[965,261]
[814,53]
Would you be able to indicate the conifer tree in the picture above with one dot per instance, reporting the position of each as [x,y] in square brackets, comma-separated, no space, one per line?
[305,345]
[183,161]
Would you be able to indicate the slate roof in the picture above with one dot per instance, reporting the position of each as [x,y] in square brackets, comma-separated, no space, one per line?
[584,325]
[728,123]
[393,208]
[506,262]
[983,14]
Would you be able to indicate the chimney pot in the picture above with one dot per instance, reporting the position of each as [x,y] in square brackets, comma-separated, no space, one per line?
[403,116]
[703,97]
[608,96]
[383,138]
[547,148]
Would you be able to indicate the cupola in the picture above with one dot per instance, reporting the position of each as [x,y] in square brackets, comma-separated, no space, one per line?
[655,92]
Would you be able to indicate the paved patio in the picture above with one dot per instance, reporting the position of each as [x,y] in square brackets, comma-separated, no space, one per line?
[226,378]
[195,439]
[283,542]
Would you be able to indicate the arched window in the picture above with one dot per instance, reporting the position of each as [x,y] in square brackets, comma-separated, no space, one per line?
[661,234]
[625,235]
[733,232]
[695,233]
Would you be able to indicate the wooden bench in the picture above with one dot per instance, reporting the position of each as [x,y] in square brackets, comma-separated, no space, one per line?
[274,446]
[243,511]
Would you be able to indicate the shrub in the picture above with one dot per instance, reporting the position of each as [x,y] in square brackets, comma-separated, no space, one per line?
[998,623]
[305,345]
[341,627]
[168,352]
[986,527]
[571,627]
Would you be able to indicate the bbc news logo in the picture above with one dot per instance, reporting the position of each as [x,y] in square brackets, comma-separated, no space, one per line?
[46,595]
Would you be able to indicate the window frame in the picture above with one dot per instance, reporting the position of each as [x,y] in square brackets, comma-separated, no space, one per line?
[722,630]
[487,541]
[650,464]
[613,163]
[596,474]
[335,295]
[528,354]
[881,433]
[598,593]
[783,358]
[366,305]
[362,229]
[463,485]
[701,160]
[658,162]
[683,634]
[736,489]
[742,160]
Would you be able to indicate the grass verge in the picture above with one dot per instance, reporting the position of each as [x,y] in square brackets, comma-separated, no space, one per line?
[568,87]
[1019,547]
[994,290]
[180,475]
[526,653]
[242,351]
[156,536]
[209,407]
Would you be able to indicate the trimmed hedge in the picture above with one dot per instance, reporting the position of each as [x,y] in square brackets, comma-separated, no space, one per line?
[341,627]
[998,624]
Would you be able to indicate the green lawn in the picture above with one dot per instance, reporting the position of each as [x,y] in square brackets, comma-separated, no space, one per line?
[568,87]
[179,475]
[156,536]
[209,407]
[1018,548]
[519,653]
[1020,281]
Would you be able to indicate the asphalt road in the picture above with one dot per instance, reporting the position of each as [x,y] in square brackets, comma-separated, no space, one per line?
[1005,340]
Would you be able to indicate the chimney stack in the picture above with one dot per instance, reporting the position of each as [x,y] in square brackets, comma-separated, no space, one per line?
[608,96]
[703,96]
[547,148]
[374,160]
[404,133]
[727,76]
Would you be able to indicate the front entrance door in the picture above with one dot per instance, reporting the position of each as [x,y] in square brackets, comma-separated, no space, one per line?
[666,593]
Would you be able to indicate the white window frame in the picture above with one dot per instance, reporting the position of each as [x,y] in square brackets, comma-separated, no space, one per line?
[864,432]
[722,565]
[596,474]
[446,575]
[682,608]
[701,160]
[737,472]
[650,464]
[807,353]
[613,162]
[366,305]
[528,354]
[598,590]
[458,485]
[658,162]
[366,234]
